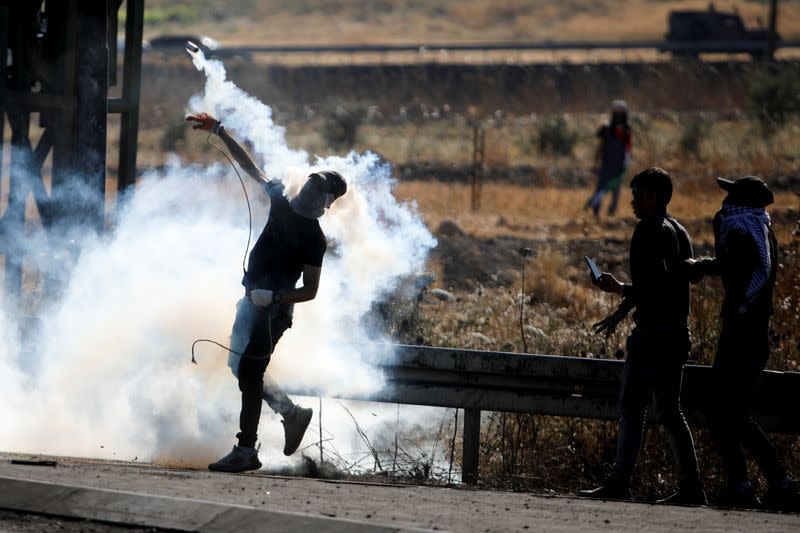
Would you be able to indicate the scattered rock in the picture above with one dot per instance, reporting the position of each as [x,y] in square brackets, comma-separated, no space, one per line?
[450,228]
[443,295]
[533,331]
[480,338]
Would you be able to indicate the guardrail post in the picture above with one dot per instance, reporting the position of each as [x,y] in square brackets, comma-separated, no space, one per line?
[471,445]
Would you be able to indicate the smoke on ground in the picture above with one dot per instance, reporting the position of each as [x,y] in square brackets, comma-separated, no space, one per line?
[109,373]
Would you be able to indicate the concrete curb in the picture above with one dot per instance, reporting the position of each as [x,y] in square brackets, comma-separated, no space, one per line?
[180,514]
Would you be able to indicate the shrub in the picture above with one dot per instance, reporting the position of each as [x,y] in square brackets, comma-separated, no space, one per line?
[775,96]
[340,130]
[694,133]
[556,135]
[176,13]
[174,134]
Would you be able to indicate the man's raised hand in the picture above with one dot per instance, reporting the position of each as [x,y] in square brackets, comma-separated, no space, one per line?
[205,122]
[608,283]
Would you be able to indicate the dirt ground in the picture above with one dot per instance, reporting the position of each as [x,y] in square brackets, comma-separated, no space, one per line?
[445,508]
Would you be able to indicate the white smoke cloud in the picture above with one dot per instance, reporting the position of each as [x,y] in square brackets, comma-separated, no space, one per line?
[111,374]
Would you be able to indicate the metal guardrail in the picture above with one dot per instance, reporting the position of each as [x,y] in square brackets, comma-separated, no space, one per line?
[664,46]
[478,381]
[556,385]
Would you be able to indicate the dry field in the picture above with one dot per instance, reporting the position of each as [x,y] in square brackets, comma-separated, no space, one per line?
[483,271]
[716,143]
[403,21]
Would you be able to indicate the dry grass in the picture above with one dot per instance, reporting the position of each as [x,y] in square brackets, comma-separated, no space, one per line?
[562,455]
[540,212]
[352,21]
[727,146]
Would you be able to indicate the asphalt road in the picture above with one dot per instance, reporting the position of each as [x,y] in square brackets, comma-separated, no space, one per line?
[16,522]
[390,504]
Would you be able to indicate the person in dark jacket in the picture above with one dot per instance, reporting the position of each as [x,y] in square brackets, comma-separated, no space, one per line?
[746,260]
[659,344]
[612,158]
[291,245]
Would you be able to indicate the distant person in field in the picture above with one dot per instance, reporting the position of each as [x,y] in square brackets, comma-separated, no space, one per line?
[612,158]
[659,344]
[747,261]
[290,245]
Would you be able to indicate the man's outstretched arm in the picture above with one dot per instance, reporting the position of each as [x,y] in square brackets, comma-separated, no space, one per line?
[238,152]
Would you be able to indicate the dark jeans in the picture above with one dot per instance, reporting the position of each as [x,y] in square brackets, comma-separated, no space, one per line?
[597,198]
[262,328]
[607,182]
[742,354]
[653,371]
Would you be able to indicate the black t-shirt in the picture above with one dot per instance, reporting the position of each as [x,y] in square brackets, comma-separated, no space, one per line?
[659,283]
[287,242]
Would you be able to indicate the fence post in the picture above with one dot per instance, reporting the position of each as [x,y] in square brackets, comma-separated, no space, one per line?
[478,156]
[471,445]
[773,23]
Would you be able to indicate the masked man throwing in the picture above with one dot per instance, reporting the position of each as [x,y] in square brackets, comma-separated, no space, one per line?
[291,245]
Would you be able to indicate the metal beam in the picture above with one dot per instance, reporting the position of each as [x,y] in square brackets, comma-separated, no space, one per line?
[113,30]
[43,147]
[120,105]
[14,216]
[132,73]
[3,99]
[65,37]
[36,102]
[92,115]
[19,79]
[70,62]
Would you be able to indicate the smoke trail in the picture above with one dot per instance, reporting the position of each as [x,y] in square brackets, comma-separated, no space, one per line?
[111,375]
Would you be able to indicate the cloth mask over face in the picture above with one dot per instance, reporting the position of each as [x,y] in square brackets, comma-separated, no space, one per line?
[313,198]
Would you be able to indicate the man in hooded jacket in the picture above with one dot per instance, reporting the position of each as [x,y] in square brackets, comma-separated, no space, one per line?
[291,245]
[746,261]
